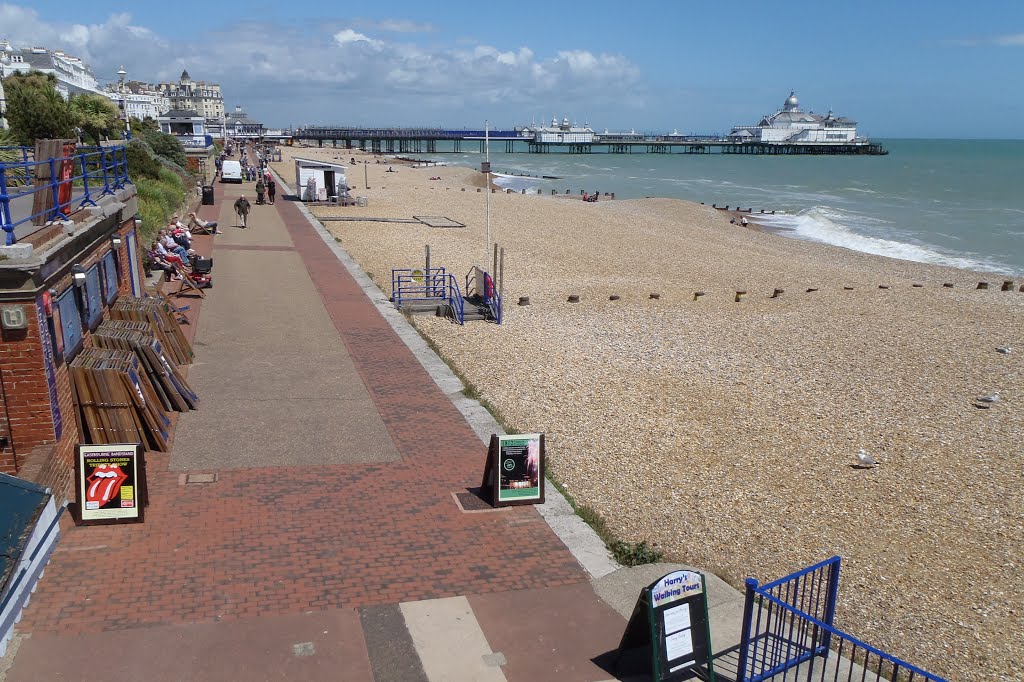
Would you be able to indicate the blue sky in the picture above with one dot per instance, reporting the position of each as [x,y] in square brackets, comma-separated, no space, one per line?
[906,68]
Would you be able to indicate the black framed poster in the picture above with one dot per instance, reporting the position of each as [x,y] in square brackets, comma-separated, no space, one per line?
[110,483]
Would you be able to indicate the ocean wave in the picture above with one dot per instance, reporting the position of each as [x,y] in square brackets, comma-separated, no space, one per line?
[830,226]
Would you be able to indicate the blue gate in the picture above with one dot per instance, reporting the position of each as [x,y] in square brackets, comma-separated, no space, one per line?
[788,626]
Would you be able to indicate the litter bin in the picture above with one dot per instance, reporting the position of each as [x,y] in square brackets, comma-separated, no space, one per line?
[207,195]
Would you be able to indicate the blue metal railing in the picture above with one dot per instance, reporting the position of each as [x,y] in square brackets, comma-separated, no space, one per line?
[789,623]
[433,285]
[480,286]
[81,177]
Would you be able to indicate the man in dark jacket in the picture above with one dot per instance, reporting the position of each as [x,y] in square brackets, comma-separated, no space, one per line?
[271,190]
[242,209]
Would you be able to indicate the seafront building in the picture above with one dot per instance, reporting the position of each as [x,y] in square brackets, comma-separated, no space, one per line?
[73,75]
[790,125]
[138,100]
[239,126]
[206,99]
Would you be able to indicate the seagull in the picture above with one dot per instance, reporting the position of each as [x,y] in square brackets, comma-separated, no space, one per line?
[866,460]
[990,398]
[1005,350]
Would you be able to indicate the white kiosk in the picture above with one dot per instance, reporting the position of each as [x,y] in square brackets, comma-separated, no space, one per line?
[320,180]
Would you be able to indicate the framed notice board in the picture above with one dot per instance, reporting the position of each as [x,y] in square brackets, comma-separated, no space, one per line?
[670,630]
[110,484]
[514,471]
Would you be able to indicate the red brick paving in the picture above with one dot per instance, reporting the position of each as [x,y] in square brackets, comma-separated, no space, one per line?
[285,541]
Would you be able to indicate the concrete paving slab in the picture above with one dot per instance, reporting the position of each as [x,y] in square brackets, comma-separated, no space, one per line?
[621,589]
[316,646]
[560,633]
[236,434]
[449,641]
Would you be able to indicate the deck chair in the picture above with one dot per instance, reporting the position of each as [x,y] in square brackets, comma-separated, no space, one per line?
[195,227]
[186,282]
[177,310]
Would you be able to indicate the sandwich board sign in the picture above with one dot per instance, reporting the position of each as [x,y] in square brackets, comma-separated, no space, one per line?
[110,483]
[514,471]
[669,633]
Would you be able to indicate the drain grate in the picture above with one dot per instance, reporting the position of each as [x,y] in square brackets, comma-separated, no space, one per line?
[196,479]
[438,221]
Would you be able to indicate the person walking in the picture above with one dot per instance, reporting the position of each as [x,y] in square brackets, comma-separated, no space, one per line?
[242,210]
[271,190]
[260,189]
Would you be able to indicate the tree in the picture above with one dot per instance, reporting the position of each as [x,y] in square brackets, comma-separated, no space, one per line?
[35,110]
[96,115]
[167,146]
[144,126]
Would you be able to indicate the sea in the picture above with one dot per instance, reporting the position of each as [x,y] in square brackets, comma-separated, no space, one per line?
[952,202]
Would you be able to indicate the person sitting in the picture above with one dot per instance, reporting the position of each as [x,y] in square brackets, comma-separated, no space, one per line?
[744,222]
[171,246]
[157,261]
[197,224]
[165,255]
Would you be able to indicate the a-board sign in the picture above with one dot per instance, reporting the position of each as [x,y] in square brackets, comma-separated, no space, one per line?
[110,482]
[514,471]
[669,633]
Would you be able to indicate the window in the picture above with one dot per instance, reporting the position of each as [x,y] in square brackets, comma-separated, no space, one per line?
[93,312]
[69,324]
[111,277]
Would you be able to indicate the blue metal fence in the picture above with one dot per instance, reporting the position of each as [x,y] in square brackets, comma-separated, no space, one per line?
[433,285]
[789,633]
[67,183]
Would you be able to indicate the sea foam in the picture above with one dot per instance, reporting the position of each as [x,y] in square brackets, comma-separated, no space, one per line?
[829,226]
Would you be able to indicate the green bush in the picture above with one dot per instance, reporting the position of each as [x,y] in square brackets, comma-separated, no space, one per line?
[141,161]
[166,147]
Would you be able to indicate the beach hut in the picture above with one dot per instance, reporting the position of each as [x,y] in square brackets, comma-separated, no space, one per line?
[320,180]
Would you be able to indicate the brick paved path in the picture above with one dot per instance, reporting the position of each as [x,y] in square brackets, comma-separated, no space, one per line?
[293,539]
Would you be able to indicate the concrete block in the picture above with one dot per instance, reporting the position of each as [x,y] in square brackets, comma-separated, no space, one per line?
[16,251]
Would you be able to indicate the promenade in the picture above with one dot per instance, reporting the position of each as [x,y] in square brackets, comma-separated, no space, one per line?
[304,525]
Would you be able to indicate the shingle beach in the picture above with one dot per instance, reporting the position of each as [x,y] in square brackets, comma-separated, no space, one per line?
[725,431]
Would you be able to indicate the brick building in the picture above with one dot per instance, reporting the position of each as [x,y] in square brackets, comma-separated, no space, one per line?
[47,315]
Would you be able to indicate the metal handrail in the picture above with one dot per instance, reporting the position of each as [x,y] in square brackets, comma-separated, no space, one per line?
[98,170]
[433,284]
[800,617]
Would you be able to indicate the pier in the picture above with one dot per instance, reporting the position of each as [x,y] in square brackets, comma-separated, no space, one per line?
[439,141]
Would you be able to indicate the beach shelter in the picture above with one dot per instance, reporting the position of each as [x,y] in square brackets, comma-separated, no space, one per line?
[320,180]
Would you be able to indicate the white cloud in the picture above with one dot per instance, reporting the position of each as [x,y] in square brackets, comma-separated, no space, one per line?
[347,36]
[335,74]
[1015,40]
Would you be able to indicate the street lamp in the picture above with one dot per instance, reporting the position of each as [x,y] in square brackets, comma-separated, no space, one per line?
[5,59]
[121,73]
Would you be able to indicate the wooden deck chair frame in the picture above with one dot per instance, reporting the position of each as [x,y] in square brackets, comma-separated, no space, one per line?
[186,282]
[195,227]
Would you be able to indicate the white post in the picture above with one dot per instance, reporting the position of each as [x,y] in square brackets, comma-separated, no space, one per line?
[487,151]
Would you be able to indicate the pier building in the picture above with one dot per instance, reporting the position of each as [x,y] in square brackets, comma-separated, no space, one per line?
[790,125]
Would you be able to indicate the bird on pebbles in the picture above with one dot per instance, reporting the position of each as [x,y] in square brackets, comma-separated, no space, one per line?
[864,460]
[1005,350]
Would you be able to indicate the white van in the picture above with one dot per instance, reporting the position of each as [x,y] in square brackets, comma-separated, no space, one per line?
[230,171]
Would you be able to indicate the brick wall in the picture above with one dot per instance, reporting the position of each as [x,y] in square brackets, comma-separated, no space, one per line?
[27,418]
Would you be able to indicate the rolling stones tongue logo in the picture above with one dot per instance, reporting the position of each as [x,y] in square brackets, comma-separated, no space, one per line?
[104,484]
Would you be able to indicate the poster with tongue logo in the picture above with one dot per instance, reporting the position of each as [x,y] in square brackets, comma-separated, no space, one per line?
[111,484]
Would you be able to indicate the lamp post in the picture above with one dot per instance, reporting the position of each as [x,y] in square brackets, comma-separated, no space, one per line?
[121,73]
[5,59]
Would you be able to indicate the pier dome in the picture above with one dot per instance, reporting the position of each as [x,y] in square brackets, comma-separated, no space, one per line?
[792,103]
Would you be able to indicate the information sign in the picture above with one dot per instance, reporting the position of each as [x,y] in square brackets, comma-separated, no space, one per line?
[514,471]
[110,483]
[669,630]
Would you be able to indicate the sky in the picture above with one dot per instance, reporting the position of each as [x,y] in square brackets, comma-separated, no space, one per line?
[901,68]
